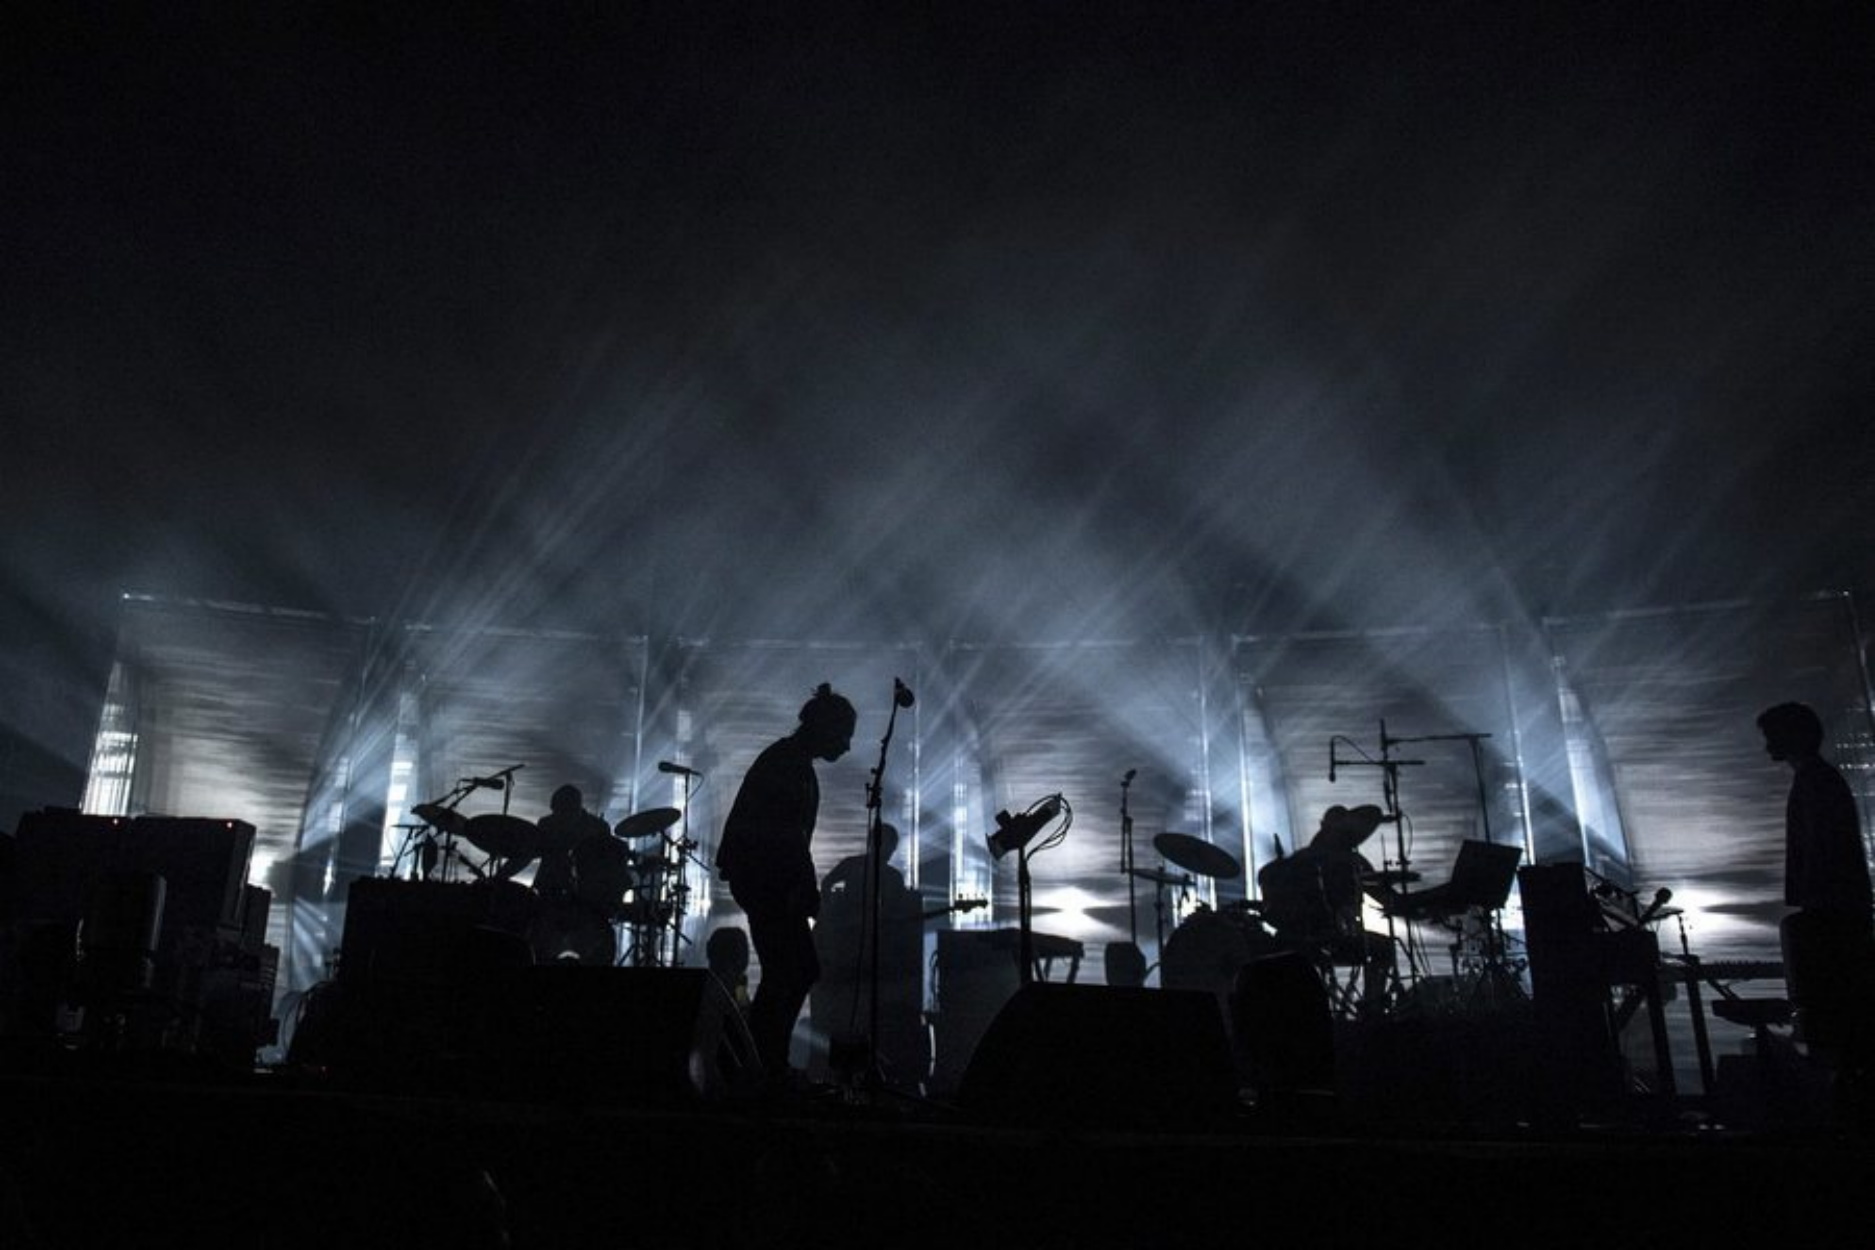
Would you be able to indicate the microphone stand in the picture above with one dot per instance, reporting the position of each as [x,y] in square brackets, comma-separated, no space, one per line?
[680,889]
[1390,793]
[1497,946]
[1126,859]
[875,839]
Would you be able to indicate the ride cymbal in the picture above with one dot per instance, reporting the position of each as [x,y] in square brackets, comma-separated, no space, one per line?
[507,836]
[1196,855]
[644,824]
[447,819]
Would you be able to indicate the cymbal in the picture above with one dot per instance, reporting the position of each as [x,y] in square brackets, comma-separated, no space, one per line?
[447,819]
[1392,876]
[644,824]
[506,836]
[1197,855]
[1162,878]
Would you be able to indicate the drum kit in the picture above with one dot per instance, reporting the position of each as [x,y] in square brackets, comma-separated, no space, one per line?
[627,880]
[1209,945]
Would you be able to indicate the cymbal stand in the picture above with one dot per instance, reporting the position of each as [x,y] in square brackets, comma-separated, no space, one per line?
[1390,794]
[429,853]
[1497,973]
[677,866]
[1185,882]
[1126,858]
[679,859]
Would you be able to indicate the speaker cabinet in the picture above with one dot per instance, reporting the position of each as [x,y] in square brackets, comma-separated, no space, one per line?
[1284,1031]
[65,857]
[621,1036]
[1104,1055]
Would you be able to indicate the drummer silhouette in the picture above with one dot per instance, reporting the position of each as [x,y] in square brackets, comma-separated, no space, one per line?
[574,921]
[1313,898]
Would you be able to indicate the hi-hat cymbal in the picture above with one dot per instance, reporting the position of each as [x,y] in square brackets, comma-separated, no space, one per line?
[1196,855]
[507,836]
[447,819]
[1161,878]
[644,824]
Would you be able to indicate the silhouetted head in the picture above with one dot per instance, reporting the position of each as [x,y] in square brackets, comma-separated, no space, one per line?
[888,841]
[827,723]
[728,953]
[1126,964]
[1791,731]
[1344,828]
[567,799]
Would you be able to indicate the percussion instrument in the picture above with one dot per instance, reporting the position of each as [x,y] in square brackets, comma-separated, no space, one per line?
[1197,855]
[1207,949]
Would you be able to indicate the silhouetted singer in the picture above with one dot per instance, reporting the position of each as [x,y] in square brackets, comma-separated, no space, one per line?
[766,856]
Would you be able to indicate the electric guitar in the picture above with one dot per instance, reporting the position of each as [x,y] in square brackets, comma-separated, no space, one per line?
[961,905]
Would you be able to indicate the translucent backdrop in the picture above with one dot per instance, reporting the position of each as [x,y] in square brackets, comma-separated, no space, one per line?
[324,732]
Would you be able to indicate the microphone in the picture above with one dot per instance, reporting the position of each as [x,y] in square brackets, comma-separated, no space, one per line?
[665,766]
[901,693]
[1331,761]
[1662,897]
[487,783]
[1130,774]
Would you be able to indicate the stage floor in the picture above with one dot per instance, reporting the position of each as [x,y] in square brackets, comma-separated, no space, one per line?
[96,1155]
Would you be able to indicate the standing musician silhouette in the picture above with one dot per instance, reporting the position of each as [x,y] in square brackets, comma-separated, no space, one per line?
[766,856]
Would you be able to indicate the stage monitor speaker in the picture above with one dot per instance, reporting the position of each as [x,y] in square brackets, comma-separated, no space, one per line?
[427,931]
[621,1036]
[1105,1055]
[1284,1031]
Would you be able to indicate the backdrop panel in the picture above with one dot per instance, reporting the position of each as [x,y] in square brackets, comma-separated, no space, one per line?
[1663,714]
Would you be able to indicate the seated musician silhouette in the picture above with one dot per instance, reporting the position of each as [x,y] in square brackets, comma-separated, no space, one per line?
[578,858]
[840,1002]
[1313,898]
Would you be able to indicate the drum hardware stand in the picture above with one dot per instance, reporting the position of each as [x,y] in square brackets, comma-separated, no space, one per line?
[1126,859]
[1390,794]
[678,865]
[1497,973]
[678,860]
[441,816]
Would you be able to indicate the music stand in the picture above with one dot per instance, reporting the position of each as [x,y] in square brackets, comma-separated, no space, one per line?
[1481,877]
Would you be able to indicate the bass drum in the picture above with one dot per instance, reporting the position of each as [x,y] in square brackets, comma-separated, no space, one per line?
[1206,951]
